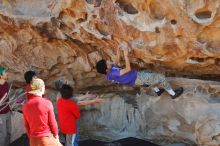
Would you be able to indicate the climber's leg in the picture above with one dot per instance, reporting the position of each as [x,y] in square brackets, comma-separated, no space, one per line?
[152,79]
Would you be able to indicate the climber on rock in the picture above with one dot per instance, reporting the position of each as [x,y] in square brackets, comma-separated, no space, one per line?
[127,76]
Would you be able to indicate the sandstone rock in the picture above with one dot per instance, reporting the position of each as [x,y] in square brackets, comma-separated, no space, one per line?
[162,34]
[65,38]
[191,118]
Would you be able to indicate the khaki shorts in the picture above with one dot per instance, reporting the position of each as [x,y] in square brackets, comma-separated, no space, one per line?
[44,141]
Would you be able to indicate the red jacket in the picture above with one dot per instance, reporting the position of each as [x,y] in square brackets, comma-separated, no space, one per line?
[68,113]
[39,119]
[28,88]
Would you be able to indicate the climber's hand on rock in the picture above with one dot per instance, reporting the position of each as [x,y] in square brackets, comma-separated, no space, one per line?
[123,46]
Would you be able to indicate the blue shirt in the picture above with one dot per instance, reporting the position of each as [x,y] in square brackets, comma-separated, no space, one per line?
[126,79]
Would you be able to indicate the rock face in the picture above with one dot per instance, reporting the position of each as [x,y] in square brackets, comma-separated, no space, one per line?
[192,118]
[65,38]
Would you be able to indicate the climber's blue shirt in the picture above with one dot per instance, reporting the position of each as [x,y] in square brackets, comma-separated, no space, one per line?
[126,79]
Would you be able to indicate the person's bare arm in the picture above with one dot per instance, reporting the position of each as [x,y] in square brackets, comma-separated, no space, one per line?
[127,63]
[118,57]
[90,102]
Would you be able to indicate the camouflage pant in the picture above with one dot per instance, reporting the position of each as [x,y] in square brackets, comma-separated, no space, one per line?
[152,79]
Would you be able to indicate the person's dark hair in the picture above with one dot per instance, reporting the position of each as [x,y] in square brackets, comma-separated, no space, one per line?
[66,91]
[28,76]
[101,67]
[59,84]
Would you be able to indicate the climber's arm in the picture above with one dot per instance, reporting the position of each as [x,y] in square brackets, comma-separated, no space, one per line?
[118,57]
[127,63]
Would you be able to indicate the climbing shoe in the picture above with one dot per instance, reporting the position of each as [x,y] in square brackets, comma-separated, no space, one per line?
[160,92]
[178,92]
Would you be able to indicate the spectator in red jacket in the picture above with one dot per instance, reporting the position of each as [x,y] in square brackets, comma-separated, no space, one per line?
[68,114]
[39,118]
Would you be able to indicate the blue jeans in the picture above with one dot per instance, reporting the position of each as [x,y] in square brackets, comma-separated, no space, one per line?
[72,139]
